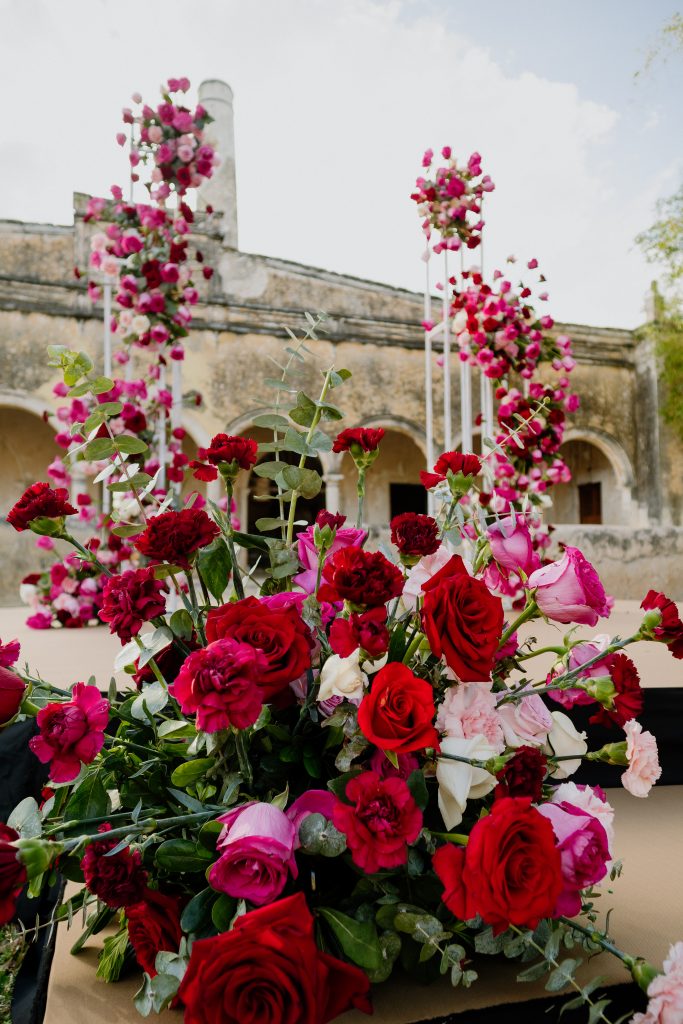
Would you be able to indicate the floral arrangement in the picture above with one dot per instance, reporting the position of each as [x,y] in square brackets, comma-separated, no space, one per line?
[346,762]
[447,201]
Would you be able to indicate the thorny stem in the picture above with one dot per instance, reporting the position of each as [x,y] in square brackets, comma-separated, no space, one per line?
[527,614]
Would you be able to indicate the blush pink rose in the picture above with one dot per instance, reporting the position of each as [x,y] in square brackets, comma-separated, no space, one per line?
[511,545]
[256,850]
[469,710]
[313,801]
[665,992]
[308,554]
[421,572]
[580,654]
[643,760]
[592,800]
[526,721]
[584,852]
[71,733]
[570,590]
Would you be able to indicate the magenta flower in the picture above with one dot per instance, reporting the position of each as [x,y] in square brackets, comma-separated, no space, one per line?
[9,653]
[570,590]
[511,545]
[308,553]
[72,733]
[220,684]
[256,850]
[584,852]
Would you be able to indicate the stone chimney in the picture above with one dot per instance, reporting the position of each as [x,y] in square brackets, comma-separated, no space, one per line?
[220,191]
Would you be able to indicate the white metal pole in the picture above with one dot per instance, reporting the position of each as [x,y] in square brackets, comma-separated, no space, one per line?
[177,406]
[429,387]
[161,431]
[447,416]
[106,365]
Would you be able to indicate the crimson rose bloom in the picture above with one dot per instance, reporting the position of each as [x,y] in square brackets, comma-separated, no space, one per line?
[175,536]
[12,874]
[367,630]
[241,452]
[268,970]
[12,690]
[130,599]
[119,880]
[71,733]
[153,926]
[280,633]
[398,712]
[463,621]
[415,535]
[365,438]
[219,683]
[523,775]
[40,501]
[456,462]
[361,577]
[670,629]
[509,872]
[629,699]
[379,822]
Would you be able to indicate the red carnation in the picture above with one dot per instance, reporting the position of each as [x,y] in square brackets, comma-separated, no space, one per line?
[379,821]
[220,684]
[119,880]
[71,733]
[130,599]
[153,926]
[175,536]
[12,690]
[455,462]
[331,519]
[358,439]
[12,874]
[509,873]
[463,621]
[629,698]
[415,535]
[365,578]
[367,630]
[398,712]
[269,970]
[280,633]
[40,501]
[523,775]
[233,452]
[670,629]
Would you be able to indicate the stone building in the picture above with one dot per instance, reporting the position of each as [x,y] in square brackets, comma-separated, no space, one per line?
[624,507]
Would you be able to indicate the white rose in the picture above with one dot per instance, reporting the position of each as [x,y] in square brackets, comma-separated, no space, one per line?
[565,739]
[140,324]
[28,593]
[459,781]
[342,677]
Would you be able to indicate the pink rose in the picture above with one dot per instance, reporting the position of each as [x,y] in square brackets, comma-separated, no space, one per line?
[469,710]
[643,761]
[313,801]
[525,721]
[584,852]
[71,733]
[308,554]
[665,992]
[580,654]
[256,850]
[511,545]
[570,590]
[423,571]
[591,800]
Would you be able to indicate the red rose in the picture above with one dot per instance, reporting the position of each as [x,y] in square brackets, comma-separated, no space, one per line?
[153,926]
[366,439]
[463,621]
[130,599]
[240,452]
[220,684]
[415,535]
[629,698]
[175,536]
[268,970]
[12,874]
[118,880]
[523,775]
[280,633]
[12,690]
[379,821]
[398,712]
[361,577]
[509,872]
[455,462]
[367,630]
[152,273]
[670,629]
[40,501]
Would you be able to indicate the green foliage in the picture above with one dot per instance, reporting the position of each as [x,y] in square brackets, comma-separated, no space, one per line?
[215,566]
[667,334]
[358,939]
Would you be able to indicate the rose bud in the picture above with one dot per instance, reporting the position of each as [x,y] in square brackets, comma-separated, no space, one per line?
[511,545]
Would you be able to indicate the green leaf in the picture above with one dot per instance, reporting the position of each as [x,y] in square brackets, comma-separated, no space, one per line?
[418,788]
[223,912]
[99,448]
[534,972]
[271,420]
[100,385]
[113,955]
[321,441]
[596,1010]
[270,470]
[181,624]
[338,377]
[127,530]
[358,939]
[487,943]
[191,771]
[150,701]
[89,800]
[304,411]
[268,523]
[215,566]
[197,913]
[339,783]
[182,856]
[251,540]
[25,819]
[390,946]
[562,975]
[130,445]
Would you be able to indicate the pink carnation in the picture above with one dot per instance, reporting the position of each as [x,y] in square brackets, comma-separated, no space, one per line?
[220,684]
[130,599]
[469,710]
[71,733]
[643,761]
[665,992]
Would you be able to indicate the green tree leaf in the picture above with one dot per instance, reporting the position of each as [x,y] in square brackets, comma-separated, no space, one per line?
[358,939]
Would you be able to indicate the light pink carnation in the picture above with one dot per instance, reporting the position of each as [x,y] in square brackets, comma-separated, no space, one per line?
[643,762]
[469,710]
[666,992]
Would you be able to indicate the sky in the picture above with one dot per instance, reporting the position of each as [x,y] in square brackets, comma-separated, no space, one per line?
[335,104]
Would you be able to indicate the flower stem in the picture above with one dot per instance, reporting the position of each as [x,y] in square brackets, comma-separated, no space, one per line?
[88,555]
[302,461]
[599,939]
[236,574]
[361,497]
[528,613]
[243,756]
[412,647]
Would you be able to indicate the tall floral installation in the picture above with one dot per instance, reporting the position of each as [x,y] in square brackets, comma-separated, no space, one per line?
[340,765]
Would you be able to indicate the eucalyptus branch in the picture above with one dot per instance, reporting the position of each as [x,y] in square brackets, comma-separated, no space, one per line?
[302,461]
[146,825]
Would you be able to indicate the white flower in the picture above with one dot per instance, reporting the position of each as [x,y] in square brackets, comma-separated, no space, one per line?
[342,677]
[564,739]
[140,324]
[459,781]
[28,593]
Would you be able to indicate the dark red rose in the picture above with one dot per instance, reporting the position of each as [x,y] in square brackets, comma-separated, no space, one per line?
[219,684]
[238,452]
[463,621]
[456,462]
[280,633]
[509,873]
[12,874]
[367,630]
[415,535]
[379,821]
[398,712]
[629,699]
[365,578]
[12,690]
[119,880]
[130,599]
[135,421]
[670,629]
[367,439]
[331,519]
[175,536]
[40,501]
[153,926]
[152,272]
[523,775]
[269,970]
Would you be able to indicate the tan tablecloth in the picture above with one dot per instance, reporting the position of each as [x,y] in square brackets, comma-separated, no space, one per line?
[648,916]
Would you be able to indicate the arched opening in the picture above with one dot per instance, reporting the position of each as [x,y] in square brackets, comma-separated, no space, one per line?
[594,496]
[27,447]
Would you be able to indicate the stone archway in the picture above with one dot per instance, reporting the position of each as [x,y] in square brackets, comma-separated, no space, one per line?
[600,491]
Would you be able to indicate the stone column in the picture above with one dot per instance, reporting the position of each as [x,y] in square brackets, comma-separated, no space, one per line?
[332,491]
[220,191]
